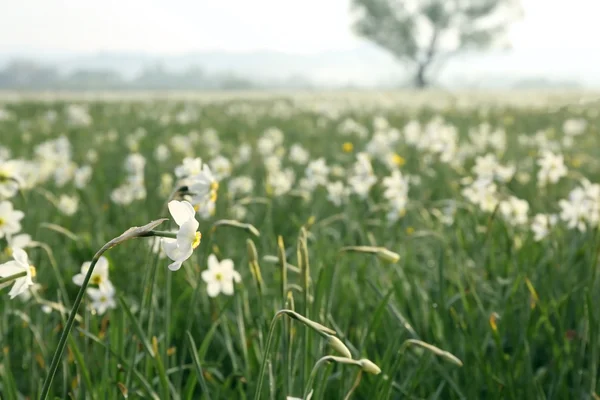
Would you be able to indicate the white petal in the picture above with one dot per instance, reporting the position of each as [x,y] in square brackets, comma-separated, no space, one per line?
[236,276]
[227,266]
[168,244]
[181,211]
[94,293]
[85,267]
[180,254]
[207,276]
[21,257]
[107,288]
[19,287]
[227,288]
[102,265]
[213,263]
[174,266]
[187,233]
[20,241]
[213,289]
[78,279]
[10,268]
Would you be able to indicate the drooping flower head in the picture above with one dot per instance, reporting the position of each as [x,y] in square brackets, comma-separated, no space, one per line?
[188,237]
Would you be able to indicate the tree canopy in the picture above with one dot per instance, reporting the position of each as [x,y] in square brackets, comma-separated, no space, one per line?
[423,32]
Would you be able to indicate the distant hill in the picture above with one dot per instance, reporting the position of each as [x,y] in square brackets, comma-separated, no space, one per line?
[365,66]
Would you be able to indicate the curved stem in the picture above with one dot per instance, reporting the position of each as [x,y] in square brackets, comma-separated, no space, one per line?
[69,325]
[131,233]
[263,365]
[323,360]
[313,373]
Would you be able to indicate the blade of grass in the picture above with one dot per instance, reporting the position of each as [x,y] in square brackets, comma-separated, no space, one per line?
[197,365]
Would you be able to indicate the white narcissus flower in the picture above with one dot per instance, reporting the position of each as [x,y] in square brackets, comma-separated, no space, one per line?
[188,237]
[189,167]
[9,219]
[9,179]
[337,193]
[68,205]
[541,226]
[102,298]
[99,276]
[220,276]
[221,167]
[203,186]
[552,168]
[20,263]
[82,176]
[514,210]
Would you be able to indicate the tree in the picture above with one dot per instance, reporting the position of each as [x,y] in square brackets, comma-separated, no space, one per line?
[423,32]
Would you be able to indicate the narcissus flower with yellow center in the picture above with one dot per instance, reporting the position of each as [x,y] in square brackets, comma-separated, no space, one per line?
[220,276]
[187,238]
[99,276]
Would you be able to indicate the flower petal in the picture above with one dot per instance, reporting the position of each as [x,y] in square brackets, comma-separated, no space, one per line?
[102,265]
[227,288]
[85,267]
[10,268]
[187,233]
[181,211]
[78,279]
[213,289]
[19,287]
[213,263]
[174,266]
[227,266]
[207,276]
[21,257]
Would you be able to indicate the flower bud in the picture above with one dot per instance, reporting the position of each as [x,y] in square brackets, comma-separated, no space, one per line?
[369,366]
[338,346]
[387,255]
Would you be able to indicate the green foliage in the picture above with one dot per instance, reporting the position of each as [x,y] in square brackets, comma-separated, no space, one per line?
[518,314]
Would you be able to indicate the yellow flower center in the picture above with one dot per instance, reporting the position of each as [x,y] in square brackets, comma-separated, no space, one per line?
[2,221]
[214,187]
[347,147]
[398,160]
[410,230]
[4,177]
[197,239]
[96,279]
[32,270]
[103,299]
[219,276]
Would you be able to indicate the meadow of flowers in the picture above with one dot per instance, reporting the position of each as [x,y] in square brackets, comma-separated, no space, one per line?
[324,247]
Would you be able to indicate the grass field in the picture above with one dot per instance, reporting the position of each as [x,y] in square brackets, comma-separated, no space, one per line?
[449,243]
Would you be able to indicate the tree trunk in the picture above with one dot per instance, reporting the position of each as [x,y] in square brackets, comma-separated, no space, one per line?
[420,79]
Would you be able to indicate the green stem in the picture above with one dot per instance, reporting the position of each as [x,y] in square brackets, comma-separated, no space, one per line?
[167,234]
[13,277]
[129,234]
[323,360]
[263,365]
[69,325]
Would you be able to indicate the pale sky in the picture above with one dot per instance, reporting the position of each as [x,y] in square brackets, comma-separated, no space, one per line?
[293,26]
